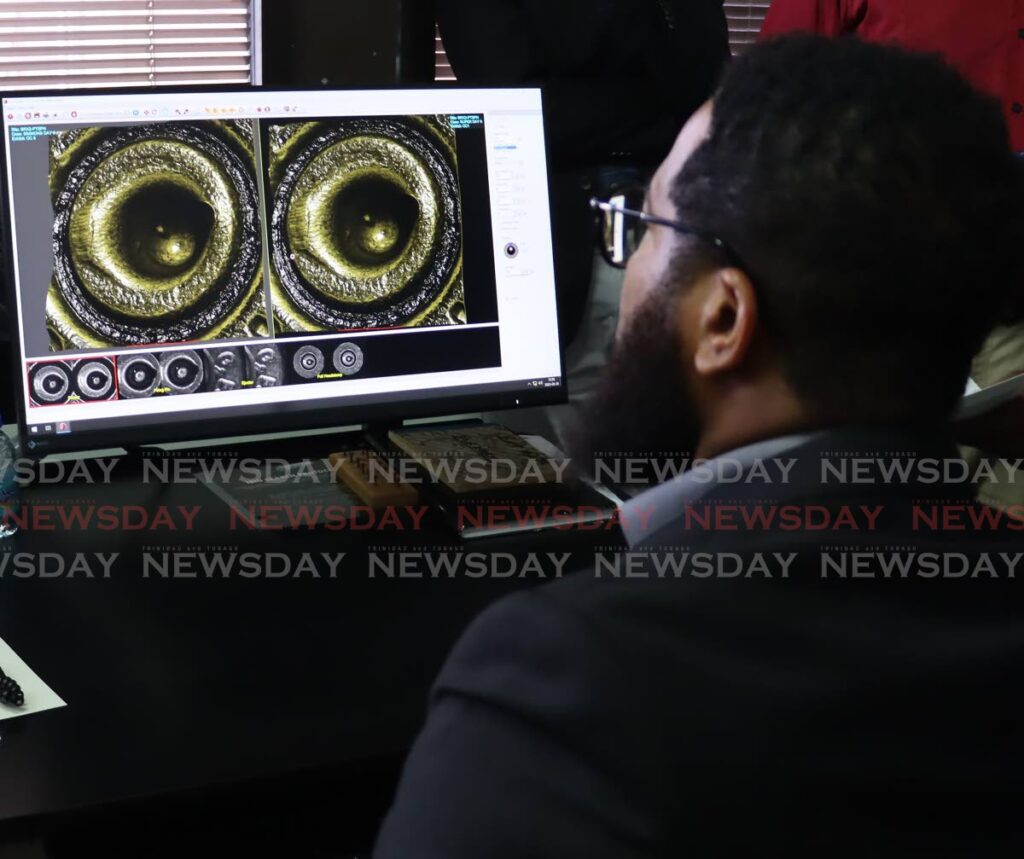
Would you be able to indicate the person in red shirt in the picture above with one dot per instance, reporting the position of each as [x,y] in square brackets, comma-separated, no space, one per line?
[982,38]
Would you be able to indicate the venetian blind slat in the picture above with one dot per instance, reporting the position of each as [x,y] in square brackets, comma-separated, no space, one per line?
[103,43]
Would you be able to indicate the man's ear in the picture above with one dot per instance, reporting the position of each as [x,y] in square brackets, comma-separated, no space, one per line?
[726,317]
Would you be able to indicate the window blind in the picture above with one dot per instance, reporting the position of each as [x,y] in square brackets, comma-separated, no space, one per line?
[108,43]
[745,19]
[442,68]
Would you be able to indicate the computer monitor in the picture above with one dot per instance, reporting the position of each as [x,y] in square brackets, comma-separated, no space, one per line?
[196,264]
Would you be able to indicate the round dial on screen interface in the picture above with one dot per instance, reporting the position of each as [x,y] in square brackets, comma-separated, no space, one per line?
[50,383]
[348,359]
[138,375]
[95,380]
[308,362]
[182,372]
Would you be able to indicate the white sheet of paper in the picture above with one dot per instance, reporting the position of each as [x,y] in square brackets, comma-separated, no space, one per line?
[38,696]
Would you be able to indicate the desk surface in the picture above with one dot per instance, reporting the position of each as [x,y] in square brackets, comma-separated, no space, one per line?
[177,684]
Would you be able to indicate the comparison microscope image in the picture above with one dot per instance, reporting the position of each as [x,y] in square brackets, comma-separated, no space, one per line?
[156,235]
[365,224]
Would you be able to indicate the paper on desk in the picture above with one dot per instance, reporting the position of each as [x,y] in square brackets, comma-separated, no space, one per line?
[38,696]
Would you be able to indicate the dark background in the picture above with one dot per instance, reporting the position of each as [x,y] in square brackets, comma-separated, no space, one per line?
[312,43]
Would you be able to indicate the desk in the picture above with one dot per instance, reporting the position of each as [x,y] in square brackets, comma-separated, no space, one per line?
[179,686]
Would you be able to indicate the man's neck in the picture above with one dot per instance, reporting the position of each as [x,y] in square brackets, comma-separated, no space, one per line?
[741,420]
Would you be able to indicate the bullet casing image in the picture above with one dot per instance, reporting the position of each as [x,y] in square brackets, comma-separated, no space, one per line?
[366,224]
[156,235]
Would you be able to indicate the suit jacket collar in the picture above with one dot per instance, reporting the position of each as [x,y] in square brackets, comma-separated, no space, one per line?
[847,463]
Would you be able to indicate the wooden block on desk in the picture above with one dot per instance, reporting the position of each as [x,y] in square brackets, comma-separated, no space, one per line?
[375,487]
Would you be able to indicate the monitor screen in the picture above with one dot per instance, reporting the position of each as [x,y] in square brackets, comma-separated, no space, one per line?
[198,264]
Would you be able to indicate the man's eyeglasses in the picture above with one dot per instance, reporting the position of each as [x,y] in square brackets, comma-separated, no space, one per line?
[622,224]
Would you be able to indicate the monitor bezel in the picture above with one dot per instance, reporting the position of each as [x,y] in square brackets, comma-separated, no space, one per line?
[314,419]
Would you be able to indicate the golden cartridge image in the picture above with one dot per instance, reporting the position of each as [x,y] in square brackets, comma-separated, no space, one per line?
[365,224]
[156,235]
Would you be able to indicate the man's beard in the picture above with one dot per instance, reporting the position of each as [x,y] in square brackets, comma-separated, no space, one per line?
[641,409]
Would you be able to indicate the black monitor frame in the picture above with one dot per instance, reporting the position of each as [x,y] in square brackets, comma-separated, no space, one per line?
[315,418]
